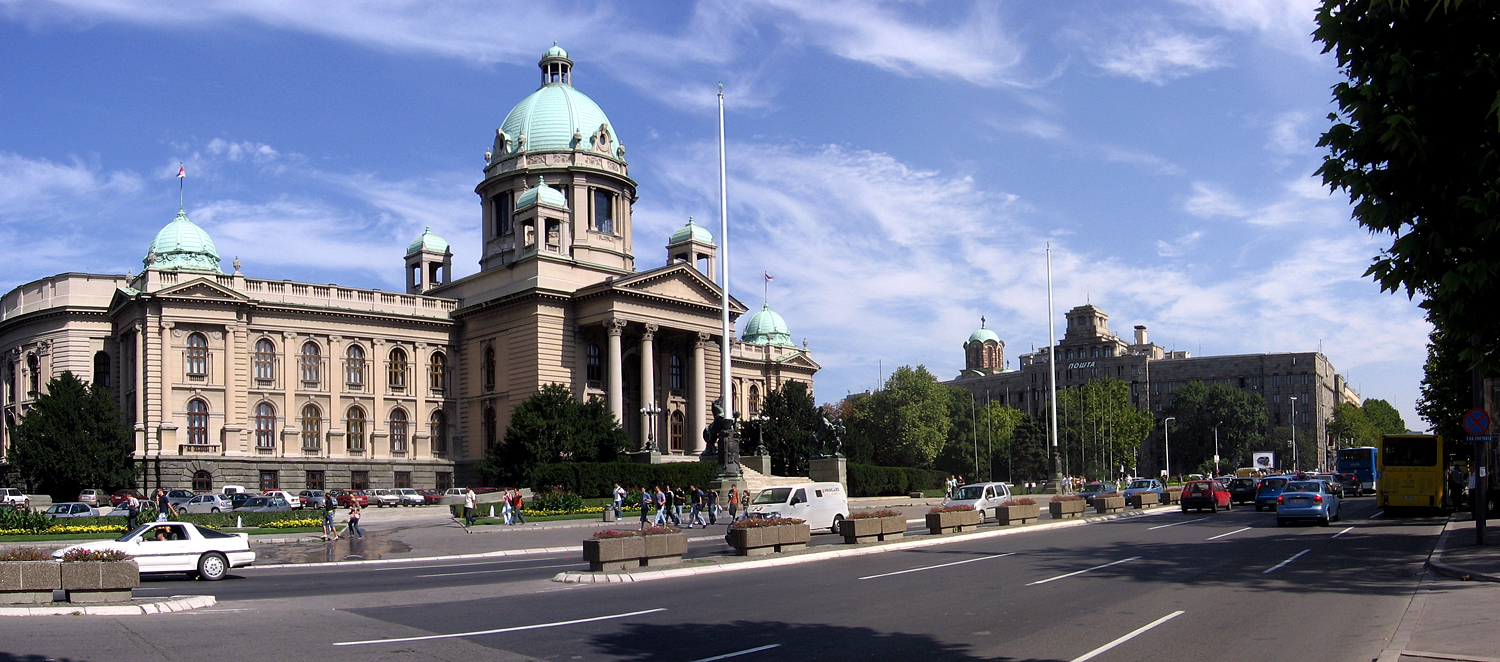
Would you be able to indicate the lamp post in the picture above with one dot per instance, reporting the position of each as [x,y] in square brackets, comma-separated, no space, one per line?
[650,413]
[1166,431]
[1217,471]
[760,433]
[1295,464]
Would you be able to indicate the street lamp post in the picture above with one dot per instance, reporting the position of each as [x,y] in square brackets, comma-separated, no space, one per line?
[1296,465]
[650,413]
[760,433]
[1217,471]
[1166,431]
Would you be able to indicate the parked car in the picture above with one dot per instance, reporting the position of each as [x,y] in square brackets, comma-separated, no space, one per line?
[820,504]
[1140,485]
[163,547]
[72,509]
[311,498]
[1205,494]
[1242,490]
[984,497]
[1267,491]
[410,497]
[346,497]
[121,496]
[1307,500]
[208,503]
[232,489]
[91,497]
[431,497]
[384,497]
[294,501]
[1097,489]
[179,498]
[239,498]
[264,504]
[14,498]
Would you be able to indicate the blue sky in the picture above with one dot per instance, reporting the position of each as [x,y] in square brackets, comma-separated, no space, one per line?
[898,167]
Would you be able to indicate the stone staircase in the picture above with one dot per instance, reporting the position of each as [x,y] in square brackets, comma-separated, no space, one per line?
[757,481]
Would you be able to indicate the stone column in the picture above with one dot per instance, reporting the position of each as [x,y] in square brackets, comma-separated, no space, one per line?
[648,385]
[616,382]
[698,398]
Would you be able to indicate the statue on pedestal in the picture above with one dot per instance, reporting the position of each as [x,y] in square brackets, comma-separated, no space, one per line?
[830,438]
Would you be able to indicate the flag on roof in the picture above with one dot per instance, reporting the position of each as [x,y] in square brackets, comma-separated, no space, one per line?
[769,277]
[181,171]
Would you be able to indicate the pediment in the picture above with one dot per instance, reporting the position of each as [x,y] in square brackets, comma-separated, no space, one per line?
[802,361]
[201,288]
[678,282]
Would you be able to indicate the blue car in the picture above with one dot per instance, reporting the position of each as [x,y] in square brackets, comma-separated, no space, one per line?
[1140,485]
[1270,488]
[1307,500]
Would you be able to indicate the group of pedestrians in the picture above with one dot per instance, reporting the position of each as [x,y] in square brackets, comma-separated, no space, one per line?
[331,505]
[511,505]
[703,506]
[950,486]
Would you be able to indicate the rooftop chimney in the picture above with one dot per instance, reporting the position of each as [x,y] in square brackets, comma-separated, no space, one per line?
[1140,334]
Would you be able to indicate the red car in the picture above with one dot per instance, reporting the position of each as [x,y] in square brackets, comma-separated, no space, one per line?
[430,497]
[344,498]
[118,498]
[1205,494]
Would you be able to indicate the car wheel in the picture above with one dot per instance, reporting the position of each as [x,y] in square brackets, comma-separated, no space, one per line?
[216,510]
[838,522]
[213,567]
[1322,521]
[1229,506]
[1280,522]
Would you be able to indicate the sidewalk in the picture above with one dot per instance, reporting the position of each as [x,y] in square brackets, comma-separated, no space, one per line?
[1455,613]
[1457,556]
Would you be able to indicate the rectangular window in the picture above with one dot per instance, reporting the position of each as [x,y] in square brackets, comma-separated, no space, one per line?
[503,206]
[444,481]
[314,480]
[359,480]
[604,211]
[403,479]
[267,479]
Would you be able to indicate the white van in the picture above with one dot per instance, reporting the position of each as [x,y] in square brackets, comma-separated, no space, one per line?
[821,504]
[232,489]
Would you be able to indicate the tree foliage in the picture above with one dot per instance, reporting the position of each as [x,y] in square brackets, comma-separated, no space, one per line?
[790,430]
[906,424]
[73,439]
[1362,426]
[1099,430]
[1240,417]
[550,427]
[1028,450]
[978,433]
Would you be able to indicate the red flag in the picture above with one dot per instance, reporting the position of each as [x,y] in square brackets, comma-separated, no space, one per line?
[181,172]
[769,277]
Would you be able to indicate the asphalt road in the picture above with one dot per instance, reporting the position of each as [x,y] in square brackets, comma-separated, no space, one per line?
[1230,586]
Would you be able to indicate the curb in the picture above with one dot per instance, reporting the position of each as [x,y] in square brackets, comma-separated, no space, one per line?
[1435,562]
[1448,657]
[574,577]
[175,604]
[451,557]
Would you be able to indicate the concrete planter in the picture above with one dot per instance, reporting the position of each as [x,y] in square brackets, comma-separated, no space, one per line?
[664,549]
[760,540]
[1066,509]
[873,529]
[1008,515]
[1173,496]
[953,522]
[1143,500]
[32,582]
[1104,504]
[618,554]
[29,582]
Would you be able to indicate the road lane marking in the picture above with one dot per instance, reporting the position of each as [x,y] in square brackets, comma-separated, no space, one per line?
[1079,572]
[1278,565]
[483,572]
[1225,535]
[1200,519]
[463,565]
[518,628]
[1377,514]
[738,653]
[942,565]
[1343,532]
[1133,634]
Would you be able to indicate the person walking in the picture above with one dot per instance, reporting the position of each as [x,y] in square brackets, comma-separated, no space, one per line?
[132,511]
[645,505]
[696,514]
[745,503]
[470,503]
[516,505]
[734,504]
[674,504]
[329,505]
[619,501]
[354,530]
[164,506]
[505,514]
[713,506]
[660,498]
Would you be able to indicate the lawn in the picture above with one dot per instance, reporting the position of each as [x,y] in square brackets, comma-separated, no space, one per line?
[112,536]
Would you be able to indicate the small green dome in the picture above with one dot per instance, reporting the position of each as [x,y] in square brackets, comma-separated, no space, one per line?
[983,334]
[767,328]
[691,232]
[541,194]
[550,117]
[182,245]
[555,51]
[427,242]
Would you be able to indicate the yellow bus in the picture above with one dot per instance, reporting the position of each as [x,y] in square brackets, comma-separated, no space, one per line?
[1411,472]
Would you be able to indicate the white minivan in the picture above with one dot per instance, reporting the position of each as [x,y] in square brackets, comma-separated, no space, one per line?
[821,504]
[984,497]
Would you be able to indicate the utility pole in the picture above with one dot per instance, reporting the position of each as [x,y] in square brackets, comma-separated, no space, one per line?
[1296,462]
[1217,471]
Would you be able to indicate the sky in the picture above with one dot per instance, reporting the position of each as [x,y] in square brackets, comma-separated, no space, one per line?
[899,168]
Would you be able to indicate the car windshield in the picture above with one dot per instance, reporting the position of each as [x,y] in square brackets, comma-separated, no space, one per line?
[774,495]
[138,530]
[258,501]
[1095,487]
[1200,487]
[1304,486]
[1140,484]
[1273,482]
[59,508]
[1242,482]
[970,492]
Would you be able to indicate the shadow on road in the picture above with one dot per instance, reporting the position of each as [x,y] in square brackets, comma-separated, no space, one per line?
[9,657]
[677,642]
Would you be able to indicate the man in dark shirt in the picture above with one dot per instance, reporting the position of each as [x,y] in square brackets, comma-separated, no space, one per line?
[673,504]
[163,505]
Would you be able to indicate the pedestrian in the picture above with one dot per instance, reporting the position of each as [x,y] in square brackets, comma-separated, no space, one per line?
[164,506]
[713,506]
[470,503]
[660,498]
[734,504]
[354,530]
[132,511]
[645,505]
[745,503]
[619,501]
[673,501]
[516,504]
[329,505]
[680,501]
[696,516]
[505,515]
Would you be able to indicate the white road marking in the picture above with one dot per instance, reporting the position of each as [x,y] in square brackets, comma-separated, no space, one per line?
[1343,532]
[463,565]
[1079,572]
[1225,535]
[942,565]
[1377,514]
[518,628]
[484,572]
[738,653]
[1278,565]
[1200,519]
[1133,634]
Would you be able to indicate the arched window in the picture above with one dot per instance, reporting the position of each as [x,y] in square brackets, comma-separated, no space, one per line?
[311,363]
[674,432]
[754,404]
[489,368]
[398,430]
[312,427]
[437,371]
[197,355]
[265,360]
[396,370]
[197,419]
[354,367]
[595,364]
[203,481]
[34,367]
[101,369]
[489,428]
[356,426]
[674,373]
[438,426]
[265,425]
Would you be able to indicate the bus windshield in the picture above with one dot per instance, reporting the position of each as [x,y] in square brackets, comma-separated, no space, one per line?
[1409,452]
[1356,458]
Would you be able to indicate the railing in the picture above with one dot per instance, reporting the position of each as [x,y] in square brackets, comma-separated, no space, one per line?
[197,449]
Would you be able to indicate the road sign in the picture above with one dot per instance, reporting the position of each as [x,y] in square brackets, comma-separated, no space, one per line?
[1481,437]
[1476,422]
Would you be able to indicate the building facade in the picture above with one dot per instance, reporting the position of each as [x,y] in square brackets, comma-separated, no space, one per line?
[226,379]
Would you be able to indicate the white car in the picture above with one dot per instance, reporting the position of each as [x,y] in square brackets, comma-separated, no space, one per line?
[208,503]
[161,547]
[14,497]
[72,509]
[983,497]
[411,497]
[384,498]
[295,501]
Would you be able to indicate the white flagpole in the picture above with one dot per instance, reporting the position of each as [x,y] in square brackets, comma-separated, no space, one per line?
[726,385]
[1052,372]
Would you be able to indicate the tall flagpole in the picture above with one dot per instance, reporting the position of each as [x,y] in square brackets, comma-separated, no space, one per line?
[181,175]
[1052,377]
[729,462]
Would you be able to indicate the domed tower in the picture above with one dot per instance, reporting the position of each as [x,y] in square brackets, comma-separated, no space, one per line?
[984,353]
[182,246]
[557,139]
[694,244]
[768,328]
[429,263]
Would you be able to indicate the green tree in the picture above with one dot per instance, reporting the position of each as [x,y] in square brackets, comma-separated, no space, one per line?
[1351,426]
[1383,417]
[1240,419]
[1099,430]
[73,439]
[977,433]
[550,427]
[791,428]
[1416,145]
[905,424]
[857,411]
[1446,386]
[1029,450]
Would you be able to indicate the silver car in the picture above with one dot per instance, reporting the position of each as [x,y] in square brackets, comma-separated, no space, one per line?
[264,504]
[208,503]
[411,497]
[72,509]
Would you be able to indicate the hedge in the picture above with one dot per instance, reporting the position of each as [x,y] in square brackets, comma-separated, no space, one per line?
[870,480]
[215,520]
[592,480]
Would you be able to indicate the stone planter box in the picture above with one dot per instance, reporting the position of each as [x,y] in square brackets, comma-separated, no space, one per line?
[1143,500]
[760,540]
[1173,496]
[1066,509]
[1104,504]
[617,554]
[873,529]
[32,582]
[960,520]
[1008,515]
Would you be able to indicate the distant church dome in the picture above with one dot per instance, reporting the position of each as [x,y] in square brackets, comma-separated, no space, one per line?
[691,232]
[558,117]
[182,245]
[983,334]
[768,328]
[427,242]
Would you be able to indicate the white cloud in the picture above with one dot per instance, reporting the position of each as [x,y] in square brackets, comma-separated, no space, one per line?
[1288,135]
[1156,56]
[57,216]
[1285,24]
[1178,247]
[242,151]
[1208,201]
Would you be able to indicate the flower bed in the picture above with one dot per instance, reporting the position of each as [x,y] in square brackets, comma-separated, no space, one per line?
[952,519]
[87,576]
[620,550]
[1109,504]
[1064,507]
[1017,511]
[757,536]
[873,526]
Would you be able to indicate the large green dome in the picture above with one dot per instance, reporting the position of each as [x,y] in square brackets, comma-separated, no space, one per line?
[768,328]
[182,245]
[558,117]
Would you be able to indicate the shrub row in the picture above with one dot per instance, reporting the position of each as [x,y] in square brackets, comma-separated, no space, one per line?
[215,520]
[592,480]
[867,480]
